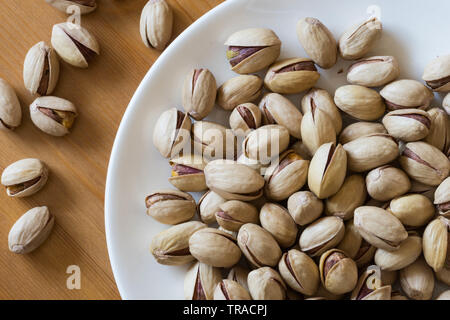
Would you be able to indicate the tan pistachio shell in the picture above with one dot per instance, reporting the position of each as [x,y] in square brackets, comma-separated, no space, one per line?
[437,74]
[276,219]
[373,71]
[371,287]
[436,243]
[85,6]
[417,280]
[170,206]
[208,205]
[239,274]
[408,252]
[213,140]
[156,24]
[199,93]
[408,124]
[446,103]
[442,198]
[245,118]
[439,133]
[231,215]
[407,94]
[413,210]
[359,102]
[10,110]
[266,284]
[386,182]
[265,143]
[317,128]
[304,207]
[360,129]
[200,282]
[338,273]
[193,182]
[239,90]
[230,290]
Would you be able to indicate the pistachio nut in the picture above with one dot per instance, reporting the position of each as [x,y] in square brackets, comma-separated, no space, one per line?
[359,102]
[170,206]
[10,110]
[350,196]
[379,227]
[208,205]
[245,118]
[304,207]
[408,252]
[408,124]
[31,230]
[276,109]
[371,287]
[413,210]
[74,44]
[199,93]
[24,177]
[276,219]
[439,133]
[251,50]
[172,132]
[171,246]
[291,76]
[299,272]
[300,148]
[417,280]
[389,277]
[446,103]
[436,248]
[437,74]
[230,290]
[321,99]
[240,275]
[317,128]
[322,235]
[407,94]
[214,247]
[425,163]
[187,173]
[254,164]
[156,24]
[200,282]
[258,245]
[265,143]
[41,69]
[233,181]
[266,284]
[423,189]
[338,272]
[360,129]
[286,176]
[55,116]
[374,71]
[85,6]
[212,140]
[370,152]
[387,182]
[444,295]
[318,42]
[444,276]
[360,38]
[327,170]
[239,90]
[442,198]
[233,214]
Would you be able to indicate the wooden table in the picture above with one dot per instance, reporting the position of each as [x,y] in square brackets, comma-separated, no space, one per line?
[78,163]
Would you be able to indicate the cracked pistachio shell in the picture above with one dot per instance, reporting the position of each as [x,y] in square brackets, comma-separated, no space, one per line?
[276,109]
[317,128]
[374,71]
[320,98]
[436,244]
[245,118]
[387,182]
[276,219]
[304,207]
[251,50]
[413,210]
[360,129]
[444,276]
[350,196]
[322,235]
[285,176]
[200,282]
[437,74]
[53,115]
[41,69]
[408,252]
[213,140]
[208,205]
[156,24]
[407,94]
[299,272]
[171,246]
[170,206]
[379,227]
[24,177]
[85,6]
[239,90]
[417,280]
[258,245]
[199,93]
[371,287]
[442,198]
[444,295]
[266,284]
[318,42]
[425,163]
[187,173]
[214,247]
[360,38]
[370,152]
[231,290]
[439,134]
[266,143]
[171,132]
[231,215]
[30,230]
[338,273]
[446,103]
[239,274]
[10,110]
[408,124]
[74,44]
[233,181]
[359,102]
[291,76]
[327,170]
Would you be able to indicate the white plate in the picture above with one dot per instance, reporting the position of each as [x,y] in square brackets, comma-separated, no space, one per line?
[414,31]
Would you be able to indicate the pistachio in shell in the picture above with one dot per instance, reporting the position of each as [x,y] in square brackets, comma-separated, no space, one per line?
[230,290]
[360,129]
[373,71]
[265,143]
[338,272]
[231,215]
[442,198]
[408,124]
[387,182]
[187,173]
[213,140]
[317,128]
[437,74]
[408,252]
[200,281]
[436,244]
[406,94]
[439,133]
[417,280]
[276,219]
[413,210]
[170,206]
[266,284]
[371,287]
[245,118]
[304,207]
[199,93]
[208,205]
[239,90]
[359,102]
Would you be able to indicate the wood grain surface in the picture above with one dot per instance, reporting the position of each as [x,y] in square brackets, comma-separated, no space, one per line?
[78,162]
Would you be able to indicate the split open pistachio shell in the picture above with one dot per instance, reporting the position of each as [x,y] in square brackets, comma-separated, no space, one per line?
[408,252]
[350,196]
[266,284]
[360,129]
[407,94]
[439,133]
[436,244]
[408,124]
[413,210]
[170,206]
[374,71]
[387,182]
[230,290]
[208,205]
[240,275]
[359,102]
[213,141]
[245,118]
[239,90]
[304,207]
[317,128]
[338,273]
[371,287]
[24,177]
[446,103]
[437,74]
[417,280]
[10,110]
[85,6]
[233,214]
[442,198]
[276,219]
[187,173]
[200,282]
[199,93]
[265,143]
[156,24]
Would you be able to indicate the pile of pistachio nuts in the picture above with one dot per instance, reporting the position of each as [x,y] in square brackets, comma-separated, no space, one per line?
[298,204]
